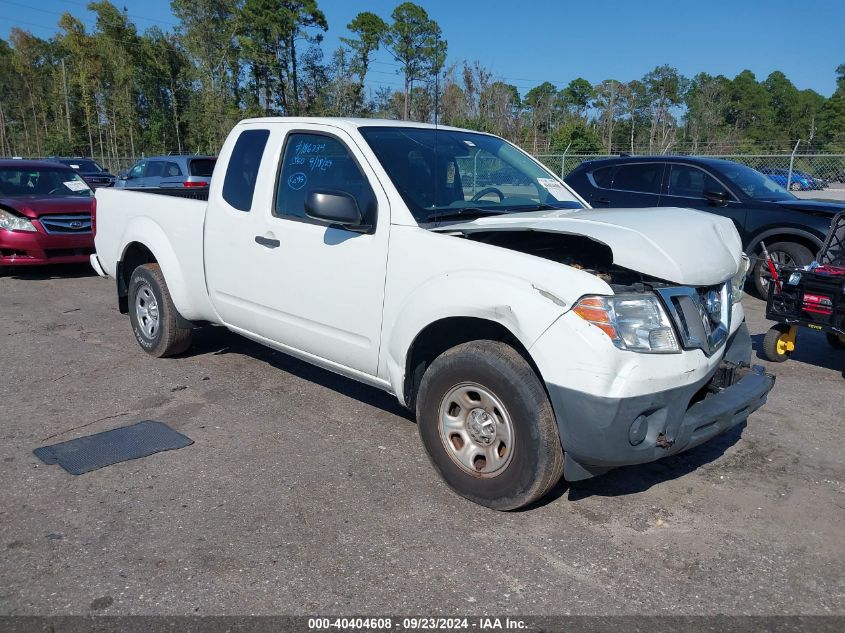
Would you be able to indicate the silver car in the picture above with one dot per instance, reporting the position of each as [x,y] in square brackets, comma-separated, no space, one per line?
[167,172]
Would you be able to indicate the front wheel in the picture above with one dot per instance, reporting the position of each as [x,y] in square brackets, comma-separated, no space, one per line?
[488,427]
[155,321]
[783,254]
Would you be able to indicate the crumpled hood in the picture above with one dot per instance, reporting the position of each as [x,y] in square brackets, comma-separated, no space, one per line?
[677,245]
[32,207]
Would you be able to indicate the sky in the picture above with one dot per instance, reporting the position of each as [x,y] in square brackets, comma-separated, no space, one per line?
[528,42]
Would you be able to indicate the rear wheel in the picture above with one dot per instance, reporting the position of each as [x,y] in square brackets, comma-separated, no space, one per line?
[776,345]
[487,425]
[795,186]
[783,254]
[155,321]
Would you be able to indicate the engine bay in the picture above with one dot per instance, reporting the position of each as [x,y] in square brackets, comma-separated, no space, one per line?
[576,251]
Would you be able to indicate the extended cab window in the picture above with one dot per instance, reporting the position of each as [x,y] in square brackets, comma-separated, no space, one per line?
[242,172]
[690,182]
[638,177]
[318,162]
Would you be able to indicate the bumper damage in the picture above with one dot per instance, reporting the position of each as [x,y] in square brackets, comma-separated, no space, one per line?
[34,248]
[599,434]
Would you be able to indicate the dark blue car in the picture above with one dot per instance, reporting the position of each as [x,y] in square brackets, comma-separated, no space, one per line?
[764,212]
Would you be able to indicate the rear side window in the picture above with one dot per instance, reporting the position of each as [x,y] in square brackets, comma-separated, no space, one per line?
[242,171]
[638,177]
[603,177]
[155,169]
[314,161]
[203,166]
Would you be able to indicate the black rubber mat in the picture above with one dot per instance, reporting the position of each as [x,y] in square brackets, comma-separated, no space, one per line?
[91,452]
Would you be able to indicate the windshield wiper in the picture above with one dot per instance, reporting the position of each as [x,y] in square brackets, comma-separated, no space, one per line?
[464,212]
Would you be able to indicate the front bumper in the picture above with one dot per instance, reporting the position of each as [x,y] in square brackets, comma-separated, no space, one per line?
[600,433]
[33,248]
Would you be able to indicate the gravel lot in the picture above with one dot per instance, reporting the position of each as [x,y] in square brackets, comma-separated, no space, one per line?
[306,493]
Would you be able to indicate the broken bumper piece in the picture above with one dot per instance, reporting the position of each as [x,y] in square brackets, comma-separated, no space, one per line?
[599,434]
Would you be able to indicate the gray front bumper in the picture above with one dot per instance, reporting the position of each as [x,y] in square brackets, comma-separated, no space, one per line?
[596,432]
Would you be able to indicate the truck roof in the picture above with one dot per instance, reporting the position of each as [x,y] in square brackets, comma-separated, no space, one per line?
[352,122]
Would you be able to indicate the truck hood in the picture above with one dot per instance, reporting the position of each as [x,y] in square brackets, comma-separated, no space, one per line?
[677,245]
[33,207]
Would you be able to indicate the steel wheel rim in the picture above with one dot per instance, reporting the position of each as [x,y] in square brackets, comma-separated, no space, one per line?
[146,310]
[476,430]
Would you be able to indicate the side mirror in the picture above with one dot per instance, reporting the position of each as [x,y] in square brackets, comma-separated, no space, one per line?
[335,207]
[124,175]
[718,198]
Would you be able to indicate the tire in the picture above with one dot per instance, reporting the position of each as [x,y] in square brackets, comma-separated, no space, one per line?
[784,253]
[835,341]
[795,186]
[498,411]
[155,321]
[770,343]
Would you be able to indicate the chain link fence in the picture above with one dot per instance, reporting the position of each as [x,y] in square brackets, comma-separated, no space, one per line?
[809,171]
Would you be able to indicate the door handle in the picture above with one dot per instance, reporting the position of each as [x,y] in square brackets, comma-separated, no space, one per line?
[602,200]
[267,241]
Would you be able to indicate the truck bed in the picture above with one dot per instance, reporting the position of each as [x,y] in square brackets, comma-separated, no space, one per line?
[171,227]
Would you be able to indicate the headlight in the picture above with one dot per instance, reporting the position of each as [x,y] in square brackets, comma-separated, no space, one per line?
[738,280]
[12,222]
[635,322]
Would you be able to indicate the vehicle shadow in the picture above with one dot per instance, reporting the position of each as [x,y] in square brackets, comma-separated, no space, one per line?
[219,340]
[629,480]
[54,271]
[811,348]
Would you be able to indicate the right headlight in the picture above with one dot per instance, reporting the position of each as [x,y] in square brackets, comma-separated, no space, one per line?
[12,222]
[635,322]
[738,280]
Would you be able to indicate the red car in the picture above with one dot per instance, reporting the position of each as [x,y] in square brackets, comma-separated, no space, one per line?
[45,214]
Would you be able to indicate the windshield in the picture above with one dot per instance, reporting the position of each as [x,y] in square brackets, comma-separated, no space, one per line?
[445,174]
[85,165]
[42,182]
[754,184]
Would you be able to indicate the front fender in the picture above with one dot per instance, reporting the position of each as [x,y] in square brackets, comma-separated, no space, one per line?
[525,309]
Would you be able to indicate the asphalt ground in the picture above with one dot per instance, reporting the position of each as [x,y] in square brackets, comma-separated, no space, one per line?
[306,493]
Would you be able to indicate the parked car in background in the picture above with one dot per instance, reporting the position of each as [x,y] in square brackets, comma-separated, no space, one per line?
[90,170]
[763,211]
[168,171]
[45,214]
[797,181]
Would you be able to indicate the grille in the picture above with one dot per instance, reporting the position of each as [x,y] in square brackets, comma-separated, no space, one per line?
[702,315]
[66,224]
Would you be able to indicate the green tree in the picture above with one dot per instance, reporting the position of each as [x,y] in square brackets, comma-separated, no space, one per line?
[369,30]
[414,40]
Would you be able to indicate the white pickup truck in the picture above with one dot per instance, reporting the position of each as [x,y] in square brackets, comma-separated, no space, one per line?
[533,336]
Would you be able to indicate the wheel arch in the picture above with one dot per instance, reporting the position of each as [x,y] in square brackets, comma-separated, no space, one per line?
[785,234]
[144,243]
[445,333]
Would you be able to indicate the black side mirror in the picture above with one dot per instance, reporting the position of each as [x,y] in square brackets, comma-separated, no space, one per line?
[335,207]
[124,175]
[718,198]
